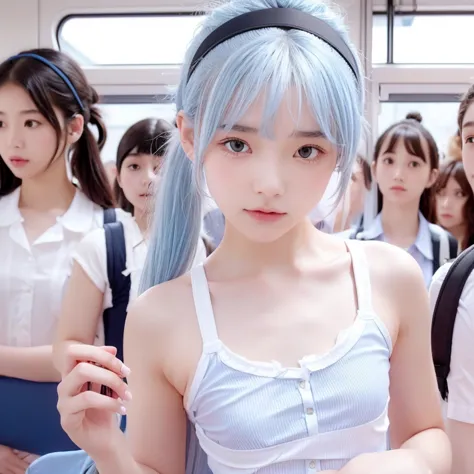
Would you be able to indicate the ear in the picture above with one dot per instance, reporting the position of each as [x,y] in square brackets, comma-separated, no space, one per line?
[186,134]
[433,177]
[373,169]
[75,128]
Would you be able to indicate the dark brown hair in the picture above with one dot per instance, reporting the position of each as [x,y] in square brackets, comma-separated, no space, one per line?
[47,90]
[149,137]
[454,151]
[412,132]
[466,102]
[455,169]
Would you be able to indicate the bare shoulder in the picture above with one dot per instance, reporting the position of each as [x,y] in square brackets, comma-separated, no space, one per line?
[392,267]
[162,325]
[399,293]
[164,307]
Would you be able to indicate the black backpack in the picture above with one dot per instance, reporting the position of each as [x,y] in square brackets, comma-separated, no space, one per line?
[444,316]
[114,317]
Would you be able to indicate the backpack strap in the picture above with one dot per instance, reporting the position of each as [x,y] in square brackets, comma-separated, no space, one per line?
[114,318]
[436,245]
[109,216]
[453,246]
[445,246]
[444,316]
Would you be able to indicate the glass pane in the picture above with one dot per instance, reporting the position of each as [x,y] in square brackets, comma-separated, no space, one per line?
[118,117]
[128,40]
[439,118]
[425,39]
[379,39]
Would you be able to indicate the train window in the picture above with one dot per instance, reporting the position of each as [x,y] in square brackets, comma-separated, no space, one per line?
[114,40]
[424,39]
[440,118]
[118,117]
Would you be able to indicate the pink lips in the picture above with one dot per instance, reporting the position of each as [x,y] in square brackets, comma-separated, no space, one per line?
[18,161]
[265,215]
[398,188]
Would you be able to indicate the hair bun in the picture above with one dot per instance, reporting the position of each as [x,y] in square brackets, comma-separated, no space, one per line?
[414,116]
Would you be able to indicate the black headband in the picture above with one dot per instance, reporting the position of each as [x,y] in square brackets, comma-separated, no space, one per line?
[285,18]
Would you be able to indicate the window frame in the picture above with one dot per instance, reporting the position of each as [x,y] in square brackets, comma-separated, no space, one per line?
[401,13]
[123,14]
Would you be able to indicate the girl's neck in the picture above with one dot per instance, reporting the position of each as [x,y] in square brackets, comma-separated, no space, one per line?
[50,191]
[400,223]
[142,219]
[300,249]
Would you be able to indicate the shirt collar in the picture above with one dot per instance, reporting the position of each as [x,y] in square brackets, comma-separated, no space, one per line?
[80,215]
[423,239]
[78,218]
[136,234]
[9,211]
[375,230]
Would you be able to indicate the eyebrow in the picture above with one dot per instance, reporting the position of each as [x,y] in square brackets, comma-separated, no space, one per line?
[468,124]
[25,112]
[297,133]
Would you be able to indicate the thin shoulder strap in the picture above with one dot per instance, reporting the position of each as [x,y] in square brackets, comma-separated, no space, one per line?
[361,276]
[203,305]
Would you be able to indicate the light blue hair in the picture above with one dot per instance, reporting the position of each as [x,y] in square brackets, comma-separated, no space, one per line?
[221,89]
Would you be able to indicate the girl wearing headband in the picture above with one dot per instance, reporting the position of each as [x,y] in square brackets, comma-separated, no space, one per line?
[53,190]
[286,350]
[405,167]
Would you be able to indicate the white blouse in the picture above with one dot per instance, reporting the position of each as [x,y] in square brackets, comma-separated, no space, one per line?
[33,277]
[460,404]
[91,255]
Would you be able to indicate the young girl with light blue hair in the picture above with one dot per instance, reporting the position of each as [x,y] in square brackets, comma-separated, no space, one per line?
[287,350]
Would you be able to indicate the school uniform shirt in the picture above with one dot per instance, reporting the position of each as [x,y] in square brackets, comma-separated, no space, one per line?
[421,250]
[91,255]
[460,404]
[33,277]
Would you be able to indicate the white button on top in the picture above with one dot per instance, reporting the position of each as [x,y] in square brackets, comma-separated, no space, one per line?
[302,384]
[312,465]
[310,411]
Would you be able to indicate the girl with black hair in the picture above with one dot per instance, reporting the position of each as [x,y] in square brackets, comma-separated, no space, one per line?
[90,291]
[53,191]
[405,168]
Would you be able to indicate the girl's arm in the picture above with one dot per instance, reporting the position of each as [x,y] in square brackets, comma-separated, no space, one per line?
[82,305]
[28,363]
[156,421]
[419,444]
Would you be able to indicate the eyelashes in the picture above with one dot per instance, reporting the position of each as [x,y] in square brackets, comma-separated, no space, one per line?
[307,153]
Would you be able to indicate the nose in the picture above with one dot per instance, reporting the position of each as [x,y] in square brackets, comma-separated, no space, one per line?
[15,138]
[149,176]
[268,177]
[445,202]
[399,173]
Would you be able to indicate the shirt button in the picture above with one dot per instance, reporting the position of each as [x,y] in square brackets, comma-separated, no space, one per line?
[312,465]
[310,411]
[303,384]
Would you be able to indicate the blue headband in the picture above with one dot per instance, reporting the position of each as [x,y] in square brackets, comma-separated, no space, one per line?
[56,70]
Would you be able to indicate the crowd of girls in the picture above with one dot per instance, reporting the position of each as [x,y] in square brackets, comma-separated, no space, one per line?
[239,356]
